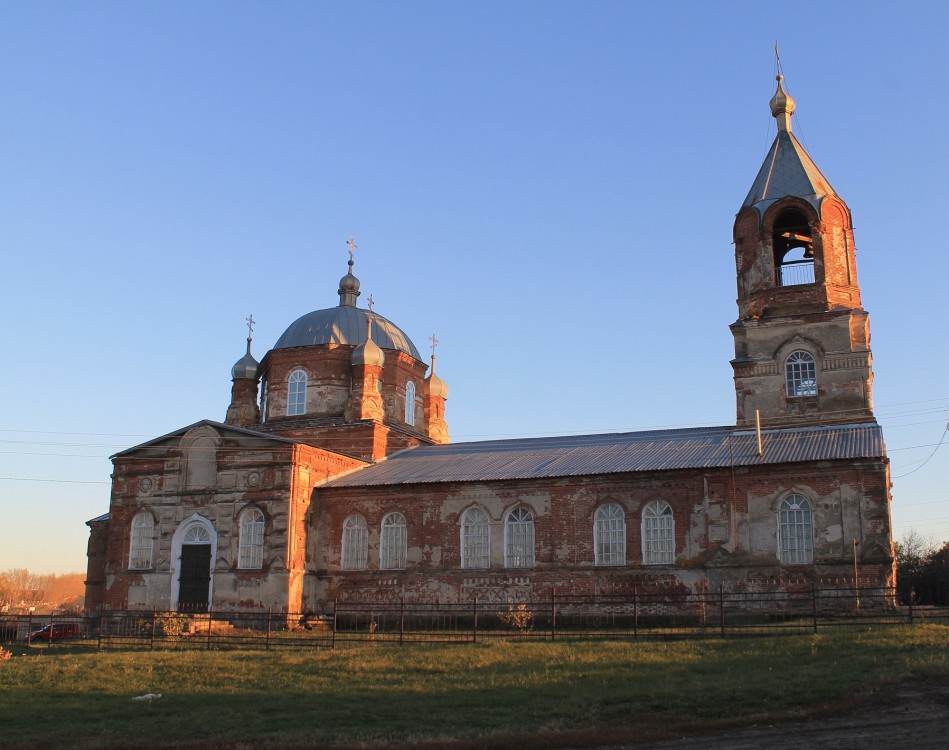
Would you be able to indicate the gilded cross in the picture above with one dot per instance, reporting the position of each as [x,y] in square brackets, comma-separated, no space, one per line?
[351,244]
[250,325]
[434,343]
[370,303]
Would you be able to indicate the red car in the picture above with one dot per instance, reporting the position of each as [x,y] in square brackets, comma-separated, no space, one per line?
[59,631]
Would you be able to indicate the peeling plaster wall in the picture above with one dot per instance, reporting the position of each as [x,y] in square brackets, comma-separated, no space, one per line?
[725,533]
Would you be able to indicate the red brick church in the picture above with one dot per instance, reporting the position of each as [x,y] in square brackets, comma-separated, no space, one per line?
[332,475]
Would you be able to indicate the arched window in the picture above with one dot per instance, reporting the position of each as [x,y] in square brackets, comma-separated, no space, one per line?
[609,535]
[410,403]
[475,539]
[392,542]
[658,534]
[793,249]
[140,552]
[251,551]
[796,531]
[296,394]
[355,543]
[800,374]
[263,401]
[519,539]
[196,535]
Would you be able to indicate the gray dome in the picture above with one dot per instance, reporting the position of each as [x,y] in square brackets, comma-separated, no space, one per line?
[246,367]
[345,325]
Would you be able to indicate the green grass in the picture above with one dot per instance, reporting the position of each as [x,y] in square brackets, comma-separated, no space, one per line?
[524,693]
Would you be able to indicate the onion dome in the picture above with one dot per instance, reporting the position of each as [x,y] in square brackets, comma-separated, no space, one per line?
[782,106]
[246,367]
[348,288]
[368,352]
[436,386]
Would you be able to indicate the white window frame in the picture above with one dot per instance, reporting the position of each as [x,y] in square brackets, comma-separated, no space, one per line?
[393,542]
[609,535]
[475,539]
[296,393]
[796,530]
[250,552]
[410,403]
[355,543]
[800,374]
[519,538]
[142,541]
[658,534]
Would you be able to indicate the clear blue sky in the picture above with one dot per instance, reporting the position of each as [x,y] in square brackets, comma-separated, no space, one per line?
[548,186]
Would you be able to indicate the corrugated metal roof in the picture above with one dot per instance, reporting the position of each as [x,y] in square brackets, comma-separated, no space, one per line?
[581,455]
[787,170]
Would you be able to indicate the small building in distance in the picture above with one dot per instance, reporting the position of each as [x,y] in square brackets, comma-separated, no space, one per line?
[333,478]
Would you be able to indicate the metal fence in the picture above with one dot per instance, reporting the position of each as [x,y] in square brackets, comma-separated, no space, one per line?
[671,614]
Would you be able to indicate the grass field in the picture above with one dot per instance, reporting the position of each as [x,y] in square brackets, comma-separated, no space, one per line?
[498,694]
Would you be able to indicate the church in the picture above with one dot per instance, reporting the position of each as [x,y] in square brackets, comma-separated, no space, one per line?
[332,476]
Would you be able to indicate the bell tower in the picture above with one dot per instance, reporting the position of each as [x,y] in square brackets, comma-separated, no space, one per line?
[802,339]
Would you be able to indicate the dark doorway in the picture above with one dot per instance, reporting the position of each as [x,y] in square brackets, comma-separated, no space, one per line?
[195,579]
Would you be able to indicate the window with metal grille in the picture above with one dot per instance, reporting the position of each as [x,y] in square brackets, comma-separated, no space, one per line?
[800,374]
[519,539]
[410,403]
[355,543]
[140,553]
[296,394]
[796,531]
[609,535]
[251,551]
[392,542]
[475,539]
[658,534]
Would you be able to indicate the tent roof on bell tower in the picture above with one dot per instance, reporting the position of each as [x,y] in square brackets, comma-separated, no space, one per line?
[787,170]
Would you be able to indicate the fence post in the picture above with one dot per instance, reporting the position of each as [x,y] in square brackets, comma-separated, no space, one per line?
[635,613]
[814,604]
[553,615]
[29,628]
[333,641]
[912,596]
[474,631]
[209,627]
[151,642]
[721,607]
[401,618]
[269,625]
[101,618]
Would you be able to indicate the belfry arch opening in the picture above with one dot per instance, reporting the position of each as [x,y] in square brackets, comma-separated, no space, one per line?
[793,249]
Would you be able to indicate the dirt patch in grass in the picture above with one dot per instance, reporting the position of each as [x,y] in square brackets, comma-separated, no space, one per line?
[913,714]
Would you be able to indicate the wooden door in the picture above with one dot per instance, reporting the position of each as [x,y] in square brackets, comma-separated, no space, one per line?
[195,579]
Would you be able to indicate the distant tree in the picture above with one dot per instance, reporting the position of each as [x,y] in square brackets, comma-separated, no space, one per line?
[20,590]
[922,570]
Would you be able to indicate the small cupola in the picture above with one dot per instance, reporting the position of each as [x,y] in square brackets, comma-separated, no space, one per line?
[246,367]
[368,352]
[782,106]
[436,386]
[349,284]
[245,373]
